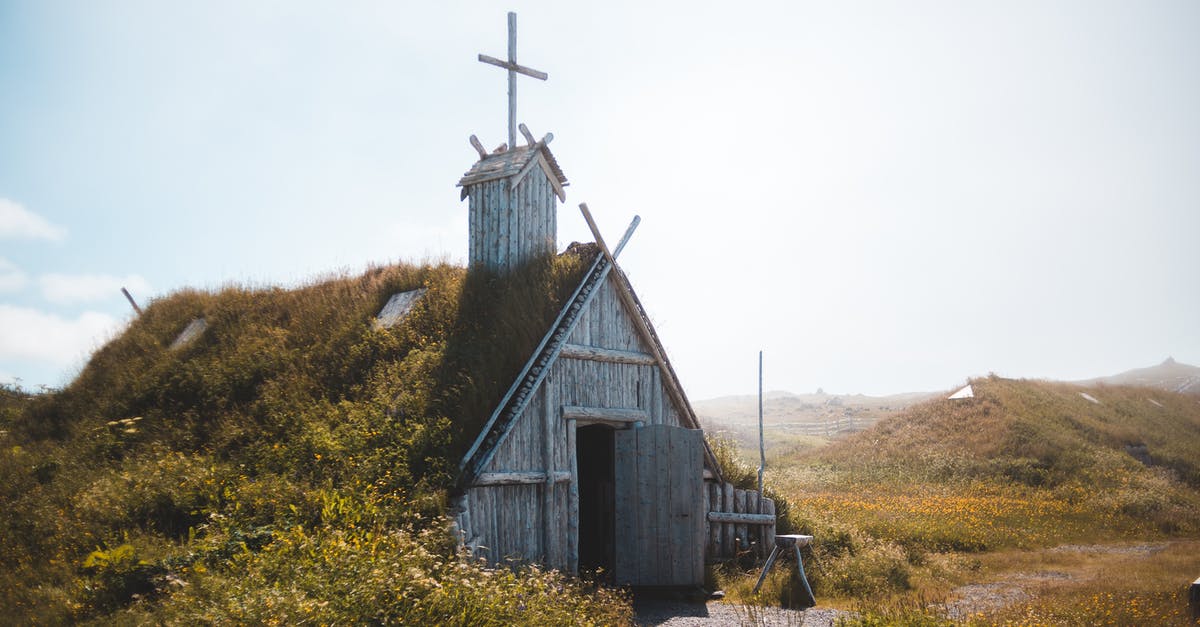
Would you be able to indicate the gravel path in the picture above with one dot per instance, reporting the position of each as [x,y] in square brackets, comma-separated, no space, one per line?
[672,613]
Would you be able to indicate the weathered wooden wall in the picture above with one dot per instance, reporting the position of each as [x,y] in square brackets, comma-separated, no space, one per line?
[511,224]
[605,375]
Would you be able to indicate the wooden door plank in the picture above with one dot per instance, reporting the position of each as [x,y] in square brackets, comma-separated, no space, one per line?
[625,480]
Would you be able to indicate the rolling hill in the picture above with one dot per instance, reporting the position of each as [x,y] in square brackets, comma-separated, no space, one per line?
[1170,375]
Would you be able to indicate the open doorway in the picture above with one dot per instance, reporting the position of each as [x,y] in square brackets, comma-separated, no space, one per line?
[597,497]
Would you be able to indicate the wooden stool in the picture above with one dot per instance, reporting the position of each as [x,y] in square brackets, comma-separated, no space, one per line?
[783,543]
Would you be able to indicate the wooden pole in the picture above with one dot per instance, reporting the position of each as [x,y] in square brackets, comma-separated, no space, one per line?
[512,81]
[762,452]
[132,303]
[513,69]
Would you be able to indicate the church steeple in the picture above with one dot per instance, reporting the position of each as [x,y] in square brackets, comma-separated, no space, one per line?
[512,191]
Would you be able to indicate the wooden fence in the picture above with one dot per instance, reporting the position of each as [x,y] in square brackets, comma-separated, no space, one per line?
[738,522]
[828,428]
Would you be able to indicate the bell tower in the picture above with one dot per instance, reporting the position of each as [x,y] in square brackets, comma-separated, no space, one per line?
[513,190]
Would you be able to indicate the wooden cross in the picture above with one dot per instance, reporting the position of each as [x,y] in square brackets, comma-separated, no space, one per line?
[513,70]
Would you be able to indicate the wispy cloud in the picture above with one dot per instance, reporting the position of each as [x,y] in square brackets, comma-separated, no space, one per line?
[39,336]
[11,277]
[18,222]
[83,288]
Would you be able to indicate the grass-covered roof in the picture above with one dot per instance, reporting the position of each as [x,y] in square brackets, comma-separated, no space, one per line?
[289,446]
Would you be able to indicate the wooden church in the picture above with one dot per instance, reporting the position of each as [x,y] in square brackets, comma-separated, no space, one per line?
[594,458]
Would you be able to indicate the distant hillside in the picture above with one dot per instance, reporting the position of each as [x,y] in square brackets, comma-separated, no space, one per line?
[1038,433]
[1169,375]
[797,421]
[788,407]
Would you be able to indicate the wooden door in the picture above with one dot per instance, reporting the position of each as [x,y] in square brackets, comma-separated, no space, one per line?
[659,475]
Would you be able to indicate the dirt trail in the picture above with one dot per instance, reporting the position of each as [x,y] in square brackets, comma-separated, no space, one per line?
[672,613]
[1019,587]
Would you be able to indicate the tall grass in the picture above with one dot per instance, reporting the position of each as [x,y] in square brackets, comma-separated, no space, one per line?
[906,509]
[290,465]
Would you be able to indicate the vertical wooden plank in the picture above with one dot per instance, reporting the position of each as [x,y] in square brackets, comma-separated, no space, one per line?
[498,212]
[730,547]
[548,514]
[486,213]
[572,502]
[741,501]
[656,412]
[707,525]
[677,465]
[698,513]
[552,207]
[714,529]
[488,228]
[472,224]
[626,559]
[647,520]
[664,565]
[769,530]
[535,549]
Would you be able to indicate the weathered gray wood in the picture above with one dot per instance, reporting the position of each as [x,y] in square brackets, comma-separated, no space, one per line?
[728,534]
[485,456]
[659,467]
[513,69]
[740,518]
[656,397]
[478,147]
[572,502]
[768,531]
[193,330]
[648,538]
[554,182]
[641,323]
[519,478]
[132,303]
[549,519]
[534,164]
[616,416]
[608,355]
[739,504]
[529,140]
[766,568]
[626,511]
[685,466]
[658,485]
[714,529]
[398,307]
[519,69]
[704,540]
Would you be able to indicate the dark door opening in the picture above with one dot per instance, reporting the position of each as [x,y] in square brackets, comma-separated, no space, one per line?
[597,522]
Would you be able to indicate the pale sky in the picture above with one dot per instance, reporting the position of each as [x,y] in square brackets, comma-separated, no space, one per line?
[882,196]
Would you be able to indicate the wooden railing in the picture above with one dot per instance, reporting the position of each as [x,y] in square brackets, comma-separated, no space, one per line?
[845,424]
[737,522]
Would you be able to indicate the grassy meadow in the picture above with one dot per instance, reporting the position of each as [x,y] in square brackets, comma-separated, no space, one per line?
[1028,504]
[292,465]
